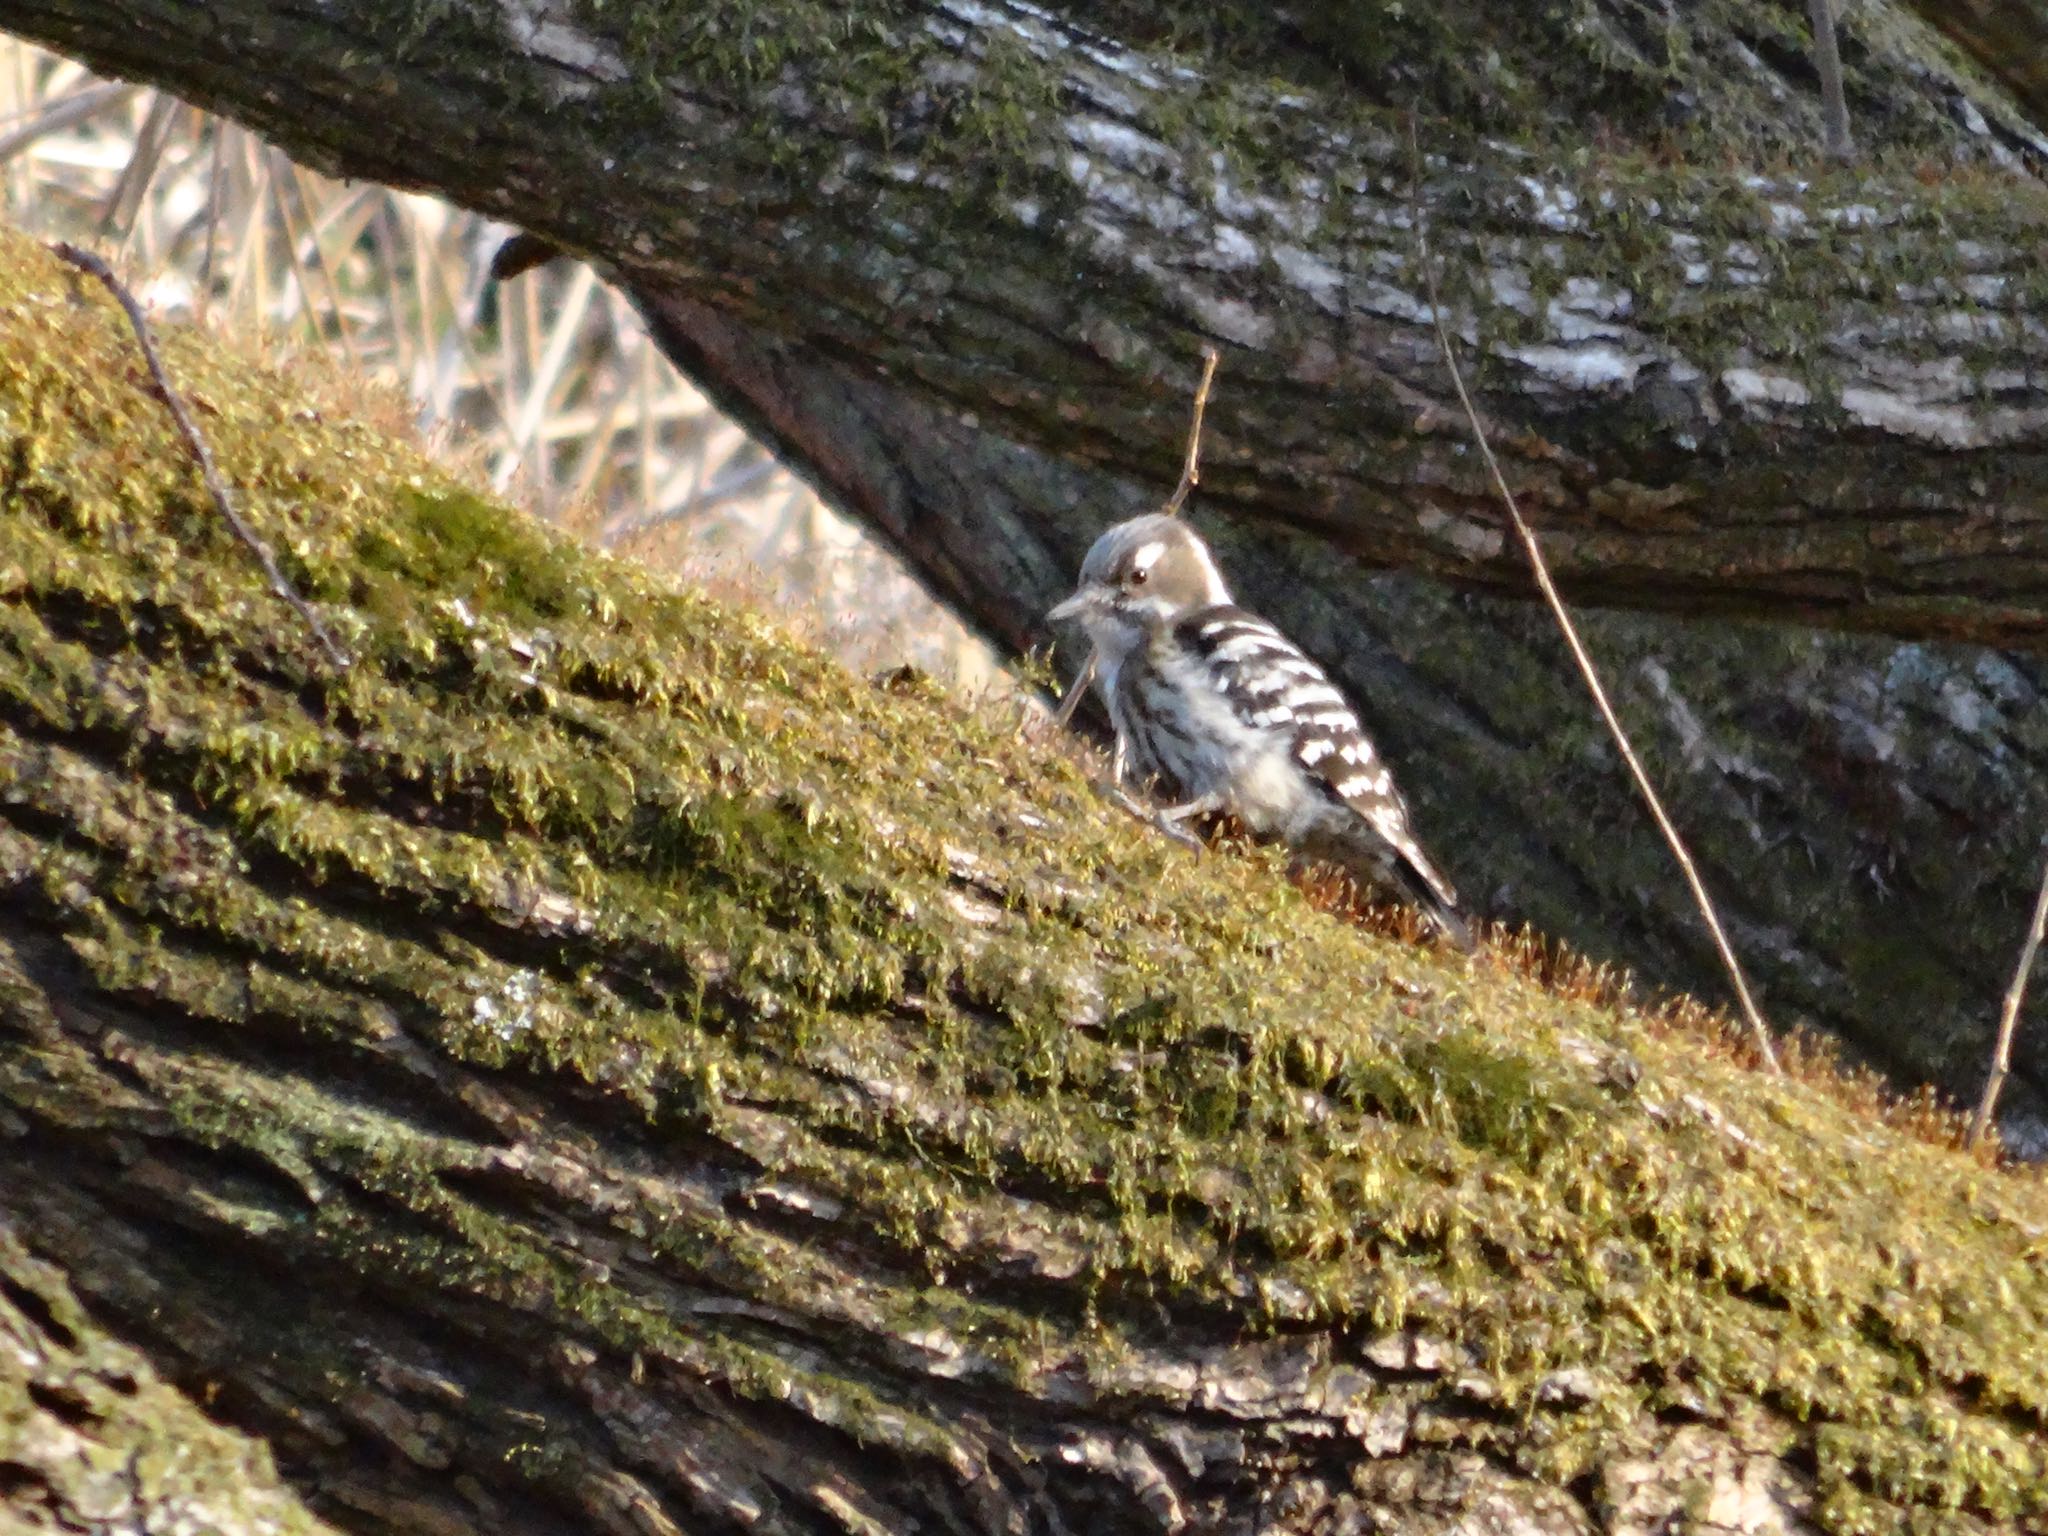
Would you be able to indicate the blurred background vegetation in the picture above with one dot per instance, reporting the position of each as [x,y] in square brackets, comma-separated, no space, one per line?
[547,388]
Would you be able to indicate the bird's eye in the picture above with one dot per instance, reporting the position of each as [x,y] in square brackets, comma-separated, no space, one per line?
[1140,576]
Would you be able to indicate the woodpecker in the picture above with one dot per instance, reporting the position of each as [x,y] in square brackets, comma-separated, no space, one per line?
[1217,707]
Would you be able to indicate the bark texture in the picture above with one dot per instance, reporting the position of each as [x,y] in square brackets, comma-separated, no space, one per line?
[1726,381]
[596,1066]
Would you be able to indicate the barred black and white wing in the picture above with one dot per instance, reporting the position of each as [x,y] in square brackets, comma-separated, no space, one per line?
[1273,687]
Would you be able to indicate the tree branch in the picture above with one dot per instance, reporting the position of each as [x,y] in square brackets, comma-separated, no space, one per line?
[1759,1031]
[1723,390]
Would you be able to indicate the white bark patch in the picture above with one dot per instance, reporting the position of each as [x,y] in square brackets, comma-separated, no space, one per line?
[1591,366]
[1131,194]
[535,27]
[1511,290]
[1232,250]
[1689,249]
[1552,206]
[1750,386]
[1587,310]
[1951,426]
[1742,264]
[1233,320]
[1307,271]
[1378,298]
[1590,296]
[1120,143]
[1006,18]
[1473,540]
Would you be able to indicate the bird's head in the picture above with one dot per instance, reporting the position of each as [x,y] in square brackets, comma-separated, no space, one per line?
[1140,576]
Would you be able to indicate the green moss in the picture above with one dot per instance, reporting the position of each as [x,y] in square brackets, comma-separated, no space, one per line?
[88,1427]
[560,821]
[461,545]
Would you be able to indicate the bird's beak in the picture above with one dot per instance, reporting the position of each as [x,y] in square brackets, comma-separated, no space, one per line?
[1084,600]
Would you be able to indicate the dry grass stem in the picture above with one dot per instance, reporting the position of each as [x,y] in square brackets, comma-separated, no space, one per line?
[209,472]
[1191,465]
[1827,63]
[2009,1016]
[1759,1030]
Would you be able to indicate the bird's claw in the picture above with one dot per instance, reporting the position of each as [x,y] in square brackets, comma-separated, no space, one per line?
[1167,821]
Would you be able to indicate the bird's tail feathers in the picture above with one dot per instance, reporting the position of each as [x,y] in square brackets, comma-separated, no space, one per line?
[1413,878]
[1424,884]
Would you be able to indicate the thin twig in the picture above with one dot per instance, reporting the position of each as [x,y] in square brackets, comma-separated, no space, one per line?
[2009,1016]
[1827,63]
[1758,1029]
[87,262]
[1076,690]
[1191,466]
[1190,477]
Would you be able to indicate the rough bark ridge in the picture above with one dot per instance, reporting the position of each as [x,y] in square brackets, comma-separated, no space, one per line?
[569,1073]
[1723,385]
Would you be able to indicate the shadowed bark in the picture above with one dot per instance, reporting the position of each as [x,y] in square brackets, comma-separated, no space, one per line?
[2009,38]
[596,1066]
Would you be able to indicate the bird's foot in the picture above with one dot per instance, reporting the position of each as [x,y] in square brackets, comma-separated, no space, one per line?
[1166,819]
[1171,819]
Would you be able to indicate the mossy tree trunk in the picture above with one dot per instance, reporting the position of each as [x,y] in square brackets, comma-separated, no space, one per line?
[953,261]
[595,1066]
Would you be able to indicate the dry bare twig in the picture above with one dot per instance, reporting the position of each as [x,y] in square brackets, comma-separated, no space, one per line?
[216,488]
[1759,1030]
[1190,477]
[2009,1015]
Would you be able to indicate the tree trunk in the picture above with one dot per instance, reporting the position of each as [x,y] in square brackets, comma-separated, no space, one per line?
[1797,395]
[595,1066]
[964,302]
